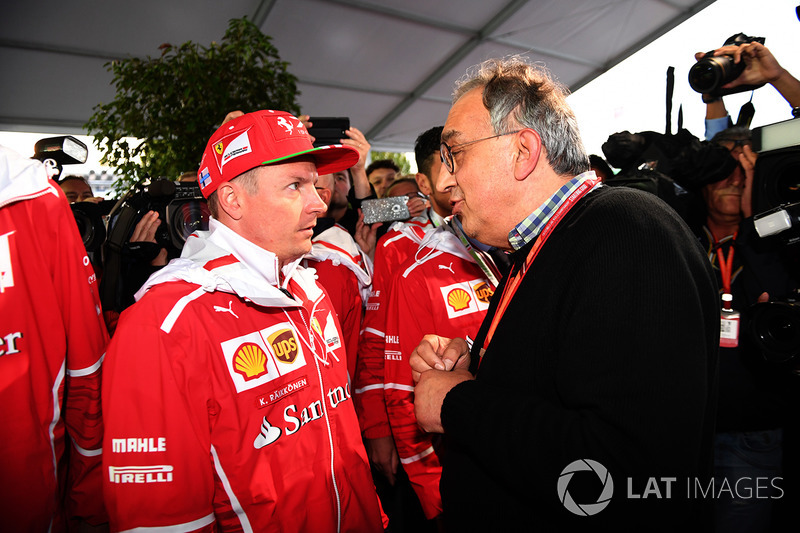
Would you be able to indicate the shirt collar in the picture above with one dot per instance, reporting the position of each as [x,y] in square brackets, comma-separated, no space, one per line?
[532,225]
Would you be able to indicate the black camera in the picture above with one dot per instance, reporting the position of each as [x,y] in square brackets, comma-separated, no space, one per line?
[180,206]
[182,210]
[55,152]
[710,73]
[774,329]
[776,183]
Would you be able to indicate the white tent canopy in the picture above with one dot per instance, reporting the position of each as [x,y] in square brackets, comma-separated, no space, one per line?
[388,65]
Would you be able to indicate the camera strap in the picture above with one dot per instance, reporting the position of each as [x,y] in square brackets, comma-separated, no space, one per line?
[729,319]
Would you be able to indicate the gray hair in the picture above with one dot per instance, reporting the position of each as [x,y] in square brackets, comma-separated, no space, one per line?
[249,182]
[519,94]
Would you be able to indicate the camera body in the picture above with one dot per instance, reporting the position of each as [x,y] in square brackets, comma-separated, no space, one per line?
[710,73]
[180,206]
[774,327]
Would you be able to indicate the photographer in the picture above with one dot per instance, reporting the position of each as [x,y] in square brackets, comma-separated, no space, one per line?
[760,67]
[77,189]
[754,395]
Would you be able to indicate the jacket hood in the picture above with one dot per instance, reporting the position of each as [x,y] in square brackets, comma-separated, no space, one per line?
[336,245]
[445,240]
[222,260]
[22,178]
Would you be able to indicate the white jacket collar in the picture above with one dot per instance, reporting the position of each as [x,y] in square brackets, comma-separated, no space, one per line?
[442,239]
[222,260]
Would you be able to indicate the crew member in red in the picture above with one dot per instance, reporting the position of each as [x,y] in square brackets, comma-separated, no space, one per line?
[446,287]
[227,398]
[393,249]
[52,345]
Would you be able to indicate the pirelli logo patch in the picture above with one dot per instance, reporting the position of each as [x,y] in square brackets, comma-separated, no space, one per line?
[260,357]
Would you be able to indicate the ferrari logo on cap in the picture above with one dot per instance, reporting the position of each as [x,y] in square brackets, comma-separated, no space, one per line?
[219,147]
[285,124]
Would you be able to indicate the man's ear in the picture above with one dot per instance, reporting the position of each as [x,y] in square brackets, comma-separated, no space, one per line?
[529,149]
[423,183]
[229,198]
[325,195]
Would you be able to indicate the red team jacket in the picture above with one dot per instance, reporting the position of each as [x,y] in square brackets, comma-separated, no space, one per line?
[52,345]
[397,245]
[440,290]
[227,402]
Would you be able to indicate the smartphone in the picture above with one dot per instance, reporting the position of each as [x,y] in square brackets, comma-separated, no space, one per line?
[328,130]
[385,209]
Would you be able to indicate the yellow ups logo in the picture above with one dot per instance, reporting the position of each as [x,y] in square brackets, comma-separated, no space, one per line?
[250,361]
[284,345]
[483,291]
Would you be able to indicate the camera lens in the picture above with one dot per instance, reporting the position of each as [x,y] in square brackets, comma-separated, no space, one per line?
[708,75]
[775,329]
[185,218]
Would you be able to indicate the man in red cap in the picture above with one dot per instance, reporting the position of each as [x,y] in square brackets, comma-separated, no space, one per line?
[226,397]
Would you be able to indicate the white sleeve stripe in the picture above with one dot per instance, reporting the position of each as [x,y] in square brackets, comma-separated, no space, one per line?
[417,457]
[177,528]
[80,372]
[84,451]
[173,315]
[235,505]
[368,388]
[398,386]
[374,332]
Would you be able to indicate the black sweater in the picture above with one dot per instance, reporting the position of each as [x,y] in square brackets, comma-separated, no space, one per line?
[608,351]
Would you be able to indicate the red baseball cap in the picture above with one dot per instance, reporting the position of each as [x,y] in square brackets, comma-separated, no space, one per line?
[262,138]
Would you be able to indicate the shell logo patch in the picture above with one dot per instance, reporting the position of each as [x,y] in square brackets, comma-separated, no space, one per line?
[250,361]
[458,299]
[284,345]
[466,297]
[483,291]
[259,357]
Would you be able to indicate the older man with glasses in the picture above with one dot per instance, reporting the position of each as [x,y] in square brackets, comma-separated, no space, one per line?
[598,354]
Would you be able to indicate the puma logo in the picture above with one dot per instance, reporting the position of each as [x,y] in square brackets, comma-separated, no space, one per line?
[450,268]
[228,309]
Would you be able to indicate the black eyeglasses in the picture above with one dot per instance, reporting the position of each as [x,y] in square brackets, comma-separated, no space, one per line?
[446,151]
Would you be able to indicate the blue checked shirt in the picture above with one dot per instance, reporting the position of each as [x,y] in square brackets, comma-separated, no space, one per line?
[529,229]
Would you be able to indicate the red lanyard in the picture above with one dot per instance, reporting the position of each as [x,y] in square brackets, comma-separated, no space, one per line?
[513,283]
[725,263]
